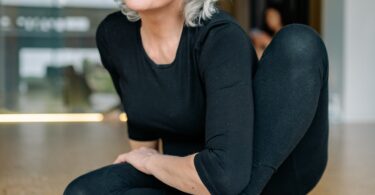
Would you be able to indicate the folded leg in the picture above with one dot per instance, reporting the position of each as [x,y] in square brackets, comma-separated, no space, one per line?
[121,179]
[291,106]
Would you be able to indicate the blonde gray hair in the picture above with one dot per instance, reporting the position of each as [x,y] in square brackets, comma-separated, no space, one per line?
[195,11]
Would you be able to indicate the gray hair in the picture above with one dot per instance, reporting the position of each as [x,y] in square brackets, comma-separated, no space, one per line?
[195,11]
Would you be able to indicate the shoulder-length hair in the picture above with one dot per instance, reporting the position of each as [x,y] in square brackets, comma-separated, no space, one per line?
[195,11]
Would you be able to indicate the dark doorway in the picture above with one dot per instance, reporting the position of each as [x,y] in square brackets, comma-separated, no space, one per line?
[267,17]
[292,11]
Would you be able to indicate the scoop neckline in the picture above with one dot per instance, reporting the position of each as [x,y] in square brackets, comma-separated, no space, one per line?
[148,58]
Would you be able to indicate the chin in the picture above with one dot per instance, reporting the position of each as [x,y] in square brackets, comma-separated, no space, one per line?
[144,5]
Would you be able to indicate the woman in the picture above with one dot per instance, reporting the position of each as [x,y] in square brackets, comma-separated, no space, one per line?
[186,72]
[273,22]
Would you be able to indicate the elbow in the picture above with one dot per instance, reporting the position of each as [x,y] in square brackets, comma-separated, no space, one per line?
[223,176]
[231,185]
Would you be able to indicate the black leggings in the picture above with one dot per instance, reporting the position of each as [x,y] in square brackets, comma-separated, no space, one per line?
[291,125]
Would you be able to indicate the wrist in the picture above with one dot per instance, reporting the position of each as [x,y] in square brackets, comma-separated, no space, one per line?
[151,162]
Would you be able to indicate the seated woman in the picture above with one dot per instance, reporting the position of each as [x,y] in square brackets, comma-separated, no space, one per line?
[188,74]
[273,23]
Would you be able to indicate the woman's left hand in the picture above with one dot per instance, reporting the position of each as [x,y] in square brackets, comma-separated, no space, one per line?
[138,158]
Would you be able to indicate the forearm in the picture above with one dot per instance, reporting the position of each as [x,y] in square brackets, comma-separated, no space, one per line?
[178,172]
[149,144]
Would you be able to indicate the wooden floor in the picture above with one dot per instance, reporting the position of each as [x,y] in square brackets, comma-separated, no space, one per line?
[41,159]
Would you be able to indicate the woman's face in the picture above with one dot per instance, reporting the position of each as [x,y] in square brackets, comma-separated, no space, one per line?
[273,18]
[145,5]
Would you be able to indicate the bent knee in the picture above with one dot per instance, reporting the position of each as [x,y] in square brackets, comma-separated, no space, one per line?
[300,45]
[300,39]
[103,180]
[86,184]
[77,187]
[298,33]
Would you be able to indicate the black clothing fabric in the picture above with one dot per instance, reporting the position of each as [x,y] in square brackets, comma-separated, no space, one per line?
[119,179]
[203,102]
[291,114]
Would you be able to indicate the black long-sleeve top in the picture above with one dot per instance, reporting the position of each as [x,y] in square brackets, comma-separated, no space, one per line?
[201,102]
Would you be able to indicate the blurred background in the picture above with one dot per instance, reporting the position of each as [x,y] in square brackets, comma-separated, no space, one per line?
[60,115]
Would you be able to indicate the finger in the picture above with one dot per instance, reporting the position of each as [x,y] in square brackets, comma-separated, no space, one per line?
[120,159]
[116,161]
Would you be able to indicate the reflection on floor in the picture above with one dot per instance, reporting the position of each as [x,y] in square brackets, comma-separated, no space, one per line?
[351,166]
[42,158]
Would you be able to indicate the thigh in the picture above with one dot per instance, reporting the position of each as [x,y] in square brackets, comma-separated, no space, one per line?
[120,178]
[151,191]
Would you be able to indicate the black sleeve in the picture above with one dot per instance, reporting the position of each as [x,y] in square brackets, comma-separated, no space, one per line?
[102,44]
[226,62]
[106,57]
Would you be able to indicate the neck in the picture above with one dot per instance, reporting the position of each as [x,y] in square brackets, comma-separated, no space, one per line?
[164,22]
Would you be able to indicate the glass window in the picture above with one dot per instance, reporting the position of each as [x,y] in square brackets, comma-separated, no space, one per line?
[48,57]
